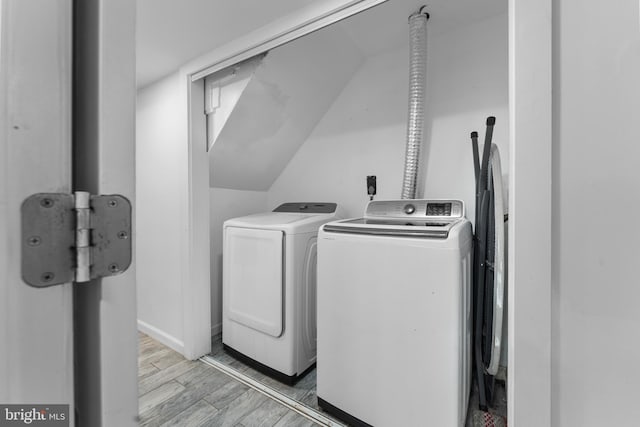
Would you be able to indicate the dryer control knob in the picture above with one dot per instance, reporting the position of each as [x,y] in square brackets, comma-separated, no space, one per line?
[409,209]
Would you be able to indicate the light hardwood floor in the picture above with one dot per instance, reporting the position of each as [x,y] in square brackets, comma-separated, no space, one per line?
[174,391]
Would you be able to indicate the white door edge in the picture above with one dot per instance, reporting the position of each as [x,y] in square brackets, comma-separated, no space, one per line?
[529,230]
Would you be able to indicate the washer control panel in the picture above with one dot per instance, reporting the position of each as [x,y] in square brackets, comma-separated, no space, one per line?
[415,209]
[439,209]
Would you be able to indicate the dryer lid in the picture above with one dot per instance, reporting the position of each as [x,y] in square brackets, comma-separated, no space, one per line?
[291,223]
[267,219]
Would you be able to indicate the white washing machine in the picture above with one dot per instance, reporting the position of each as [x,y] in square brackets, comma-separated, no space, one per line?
[269,288]
[394,315]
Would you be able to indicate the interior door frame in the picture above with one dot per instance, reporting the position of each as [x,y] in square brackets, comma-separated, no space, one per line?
[106,349]
[530,141]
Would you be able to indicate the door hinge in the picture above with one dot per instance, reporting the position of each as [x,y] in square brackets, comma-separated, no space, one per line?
[74,237]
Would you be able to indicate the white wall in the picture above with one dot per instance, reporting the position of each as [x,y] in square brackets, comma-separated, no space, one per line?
[363,133]
[467,81]
[160,151]
[226,204]
[596,174]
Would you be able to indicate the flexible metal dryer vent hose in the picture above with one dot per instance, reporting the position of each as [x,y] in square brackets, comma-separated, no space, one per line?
[415,124]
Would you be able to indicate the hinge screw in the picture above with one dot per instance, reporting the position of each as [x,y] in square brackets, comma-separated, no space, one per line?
[122,235]
[34,241]
[47,277]
[46,203]
[113,203]
[114,268]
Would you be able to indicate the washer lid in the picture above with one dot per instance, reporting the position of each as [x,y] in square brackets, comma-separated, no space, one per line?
[405,218]
[432,229]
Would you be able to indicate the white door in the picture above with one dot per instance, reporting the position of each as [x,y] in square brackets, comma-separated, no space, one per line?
[66,124]
[253,270]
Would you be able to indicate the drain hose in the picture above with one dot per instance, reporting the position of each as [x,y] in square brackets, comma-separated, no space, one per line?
[417,74]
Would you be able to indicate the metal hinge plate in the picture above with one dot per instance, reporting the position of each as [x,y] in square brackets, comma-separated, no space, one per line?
[74,237]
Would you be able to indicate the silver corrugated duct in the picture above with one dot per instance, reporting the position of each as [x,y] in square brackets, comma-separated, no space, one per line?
[417,74]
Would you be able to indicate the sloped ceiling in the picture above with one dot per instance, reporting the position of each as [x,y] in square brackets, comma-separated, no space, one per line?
[288,94]
[169,33]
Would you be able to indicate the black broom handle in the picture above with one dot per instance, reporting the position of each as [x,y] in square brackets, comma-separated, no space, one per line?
[484,171]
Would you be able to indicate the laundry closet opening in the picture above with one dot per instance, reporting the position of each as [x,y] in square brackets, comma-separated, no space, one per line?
[308,121]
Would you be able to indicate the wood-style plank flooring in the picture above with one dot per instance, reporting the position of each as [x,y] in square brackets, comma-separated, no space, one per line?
[304,391]
[178,392]
[174,391]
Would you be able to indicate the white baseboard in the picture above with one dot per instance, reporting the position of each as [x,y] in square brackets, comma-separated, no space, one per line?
[216,329]
[161,336]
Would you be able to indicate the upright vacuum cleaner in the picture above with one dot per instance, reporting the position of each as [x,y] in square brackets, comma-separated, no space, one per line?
[488,265]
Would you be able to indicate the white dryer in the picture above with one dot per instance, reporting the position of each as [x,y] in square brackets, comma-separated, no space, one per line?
[269,288]
[394,313]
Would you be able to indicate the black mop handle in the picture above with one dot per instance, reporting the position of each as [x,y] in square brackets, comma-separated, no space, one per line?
[484,171]
[476,157]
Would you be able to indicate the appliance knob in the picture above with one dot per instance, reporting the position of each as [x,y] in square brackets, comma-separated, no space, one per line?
[409,209]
